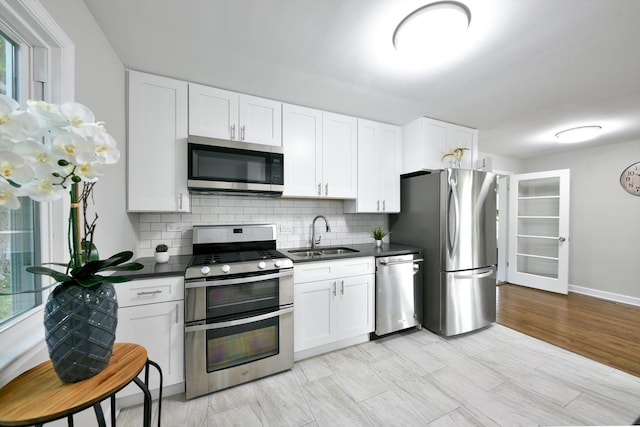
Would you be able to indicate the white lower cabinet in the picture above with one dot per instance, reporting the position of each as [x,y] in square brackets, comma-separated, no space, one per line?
[333,302]
[151,313]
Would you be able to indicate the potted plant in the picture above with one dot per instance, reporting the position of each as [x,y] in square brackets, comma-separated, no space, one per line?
[162,253]
[378,234]
[46,152]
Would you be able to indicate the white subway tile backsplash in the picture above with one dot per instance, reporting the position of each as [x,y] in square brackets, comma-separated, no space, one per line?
[294,215]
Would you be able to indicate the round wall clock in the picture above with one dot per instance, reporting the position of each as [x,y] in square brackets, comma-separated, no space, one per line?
[630,179]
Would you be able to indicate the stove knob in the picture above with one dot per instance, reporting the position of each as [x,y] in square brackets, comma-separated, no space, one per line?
[225,268]
[262,265]
[205,270]
[278,264]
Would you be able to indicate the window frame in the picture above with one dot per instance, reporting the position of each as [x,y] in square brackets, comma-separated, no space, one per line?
[48,53]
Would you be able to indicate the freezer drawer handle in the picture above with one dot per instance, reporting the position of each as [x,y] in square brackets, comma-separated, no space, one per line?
[479,275]
[385,263]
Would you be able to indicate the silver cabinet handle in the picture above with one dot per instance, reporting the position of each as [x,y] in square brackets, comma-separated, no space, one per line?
[230,323]
[378,208]
[342,287]
[319,189]
[562,239]
[334,287]
[383,262]
[326,189]
[233,131]
[180,201]
[158,291]
[177,308]
[242,133]
[384,205]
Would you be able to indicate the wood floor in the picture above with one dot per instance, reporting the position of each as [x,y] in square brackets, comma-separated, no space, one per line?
[604,331]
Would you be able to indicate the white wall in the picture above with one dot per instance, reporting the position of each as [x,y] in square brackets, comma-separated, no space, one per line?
[100,85]
[604,219]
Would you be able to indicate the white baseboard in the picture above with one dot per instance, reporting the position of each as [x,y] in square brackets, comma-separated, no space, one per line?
[305,354]
[609,296]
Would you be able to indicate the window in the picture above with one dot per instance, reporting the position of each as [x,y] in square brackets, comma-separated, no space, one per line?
[18,230]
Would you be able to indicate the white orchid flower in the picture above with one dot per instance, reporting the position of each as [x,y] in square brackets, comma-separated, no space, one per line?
[47,113]
[9,195]
[88,167]
[45,187]
[77,115]
[35,153]
[68,146]
[13,167]
[104,144]
[14,124]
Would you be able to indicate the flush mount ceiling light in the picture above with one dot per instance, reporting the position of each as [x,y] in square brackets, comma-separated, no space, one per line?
[433,28]
[579,134]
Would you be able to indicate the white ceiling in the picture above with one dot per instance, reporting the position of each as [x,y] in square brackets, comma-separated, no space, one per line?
[529,68]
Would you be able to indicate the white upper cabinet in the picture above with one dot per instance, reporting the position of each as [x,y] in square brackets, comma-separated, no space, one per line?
[223,114]
[379,158]
[157,132]
[320,153]
[425,141]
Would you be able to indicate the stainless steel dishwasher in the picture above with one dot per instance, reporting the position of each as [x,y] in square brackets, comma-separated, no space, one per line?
[398,293]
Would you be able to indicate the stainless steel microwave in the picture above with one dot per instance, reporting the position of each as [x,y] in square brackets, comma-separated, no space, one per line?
[220,166]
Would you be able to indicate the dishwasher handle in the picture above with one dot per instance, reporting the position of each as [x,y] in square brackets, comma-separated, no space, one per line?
[408,261]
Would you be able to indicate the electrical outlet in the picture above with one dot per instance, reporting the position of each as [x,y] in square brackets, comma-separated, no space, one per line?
[286,229]
[174,227]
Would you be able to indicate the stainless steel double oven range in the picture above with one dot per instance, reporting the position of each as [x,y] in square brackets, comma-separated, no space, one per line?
[238,307]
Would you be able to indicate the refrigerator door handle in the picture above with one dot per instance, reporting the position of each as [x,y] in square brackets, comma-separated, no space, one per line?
[474,275]
[454,215]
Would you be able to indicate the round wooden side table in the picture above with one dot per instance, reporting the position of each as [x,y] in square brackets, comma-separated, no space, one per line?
[38,396]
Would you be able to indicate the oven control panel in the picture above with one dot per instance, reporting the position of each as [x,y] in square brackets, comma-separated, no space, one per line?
[213,270]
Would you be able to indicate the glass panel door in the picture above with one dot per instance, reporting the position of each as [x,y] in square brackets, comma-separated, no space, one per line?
[538,230]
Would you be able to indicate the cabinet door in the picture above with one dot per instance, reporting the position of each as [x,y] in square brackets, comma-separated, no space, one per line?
[368,163]
[355,315]
[388,167]
[160,329]
[302,142]
[157,129]
[315,314]
[339,156]
[460,136]
[213,112]
[260,120]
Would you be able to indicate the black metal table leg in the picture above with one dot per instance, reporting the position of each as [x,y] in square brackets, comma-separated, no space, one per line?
[113,410]
[155,365]
[99,415]
[147,402]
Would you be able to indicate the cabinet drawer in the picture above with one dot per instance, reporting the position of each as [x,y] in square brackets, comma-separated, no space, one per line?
[331,269]
[150,291]
[356,266]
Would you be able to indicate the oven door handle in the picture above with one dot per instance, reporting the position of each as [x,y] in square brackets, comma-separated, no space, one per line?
[202,283]
[231,323]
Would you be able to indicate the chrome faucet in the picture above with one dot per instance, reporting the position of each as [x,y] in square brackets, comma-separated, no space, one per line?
[313,231]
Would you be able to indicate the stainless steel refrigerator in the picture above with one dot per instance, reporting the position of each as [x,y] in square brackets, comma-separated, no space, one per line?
[451,215]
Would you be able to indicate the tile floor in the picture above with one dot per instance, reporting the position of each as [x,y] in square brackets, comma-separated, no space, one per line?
[493,377]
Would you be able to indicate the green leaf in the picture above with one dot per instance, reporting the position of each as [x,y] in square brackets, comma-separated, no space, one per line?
[56,275]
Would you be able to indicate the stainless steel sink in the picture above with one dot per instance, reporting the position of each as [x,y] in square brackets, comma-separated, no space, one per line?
[337,251]
[312,253]
[305,253]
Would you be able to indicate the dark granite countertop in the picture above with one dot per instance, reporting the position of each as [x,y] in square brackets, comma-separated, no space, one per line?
[178,263]
[367,249]
[175,267]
